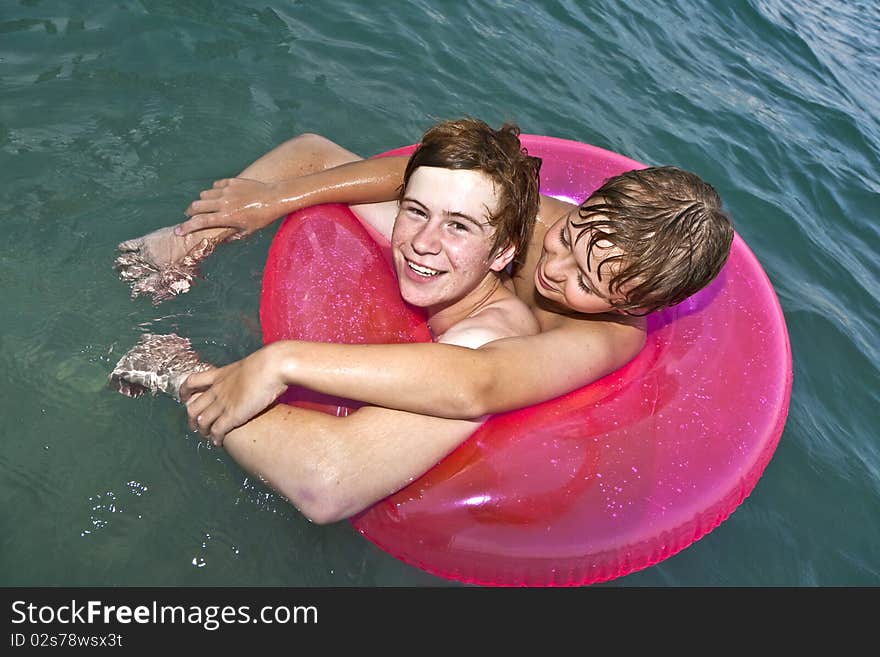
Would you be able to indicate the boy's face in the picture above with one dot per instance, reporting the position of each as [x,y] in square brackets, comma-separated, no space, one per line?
[442,239]
[562,274]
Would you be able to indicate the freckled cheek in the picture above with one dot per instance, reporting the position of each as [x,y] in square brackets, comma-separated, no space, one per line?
[398,236]
[468,263]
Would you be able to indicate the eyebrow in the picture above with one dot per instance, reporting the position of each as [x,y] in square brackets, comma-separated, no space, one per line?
[454,213]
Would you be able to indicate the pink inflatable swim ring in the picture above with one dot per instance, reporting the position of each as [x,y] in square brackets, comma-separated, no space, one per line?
[601,482]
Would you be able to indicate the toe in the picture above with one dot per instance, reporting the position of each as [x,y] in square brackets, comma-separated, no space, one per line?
[130,245]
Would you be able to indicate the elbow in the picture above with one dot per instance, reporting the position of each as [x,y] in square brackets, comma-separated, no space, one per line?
[471,409]
[474,400]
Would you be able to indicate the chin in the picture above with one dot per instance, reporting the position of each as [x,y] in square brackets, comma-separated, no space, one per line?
[414,299]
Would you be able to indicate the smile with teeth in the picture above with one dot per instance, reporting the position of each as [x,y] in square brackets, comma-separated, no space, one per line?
[421,270]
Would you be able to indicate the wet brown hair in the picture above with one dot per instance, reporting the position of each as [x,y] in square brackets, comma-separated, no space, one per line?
[672,235]
[471,144]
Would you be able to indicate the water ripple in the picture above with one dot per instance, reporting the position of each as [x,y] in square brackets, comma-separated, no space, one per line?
[118,113]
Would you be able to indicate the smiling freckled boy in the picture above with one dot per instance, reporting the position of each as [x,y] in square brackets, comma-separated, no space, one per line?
[467,207]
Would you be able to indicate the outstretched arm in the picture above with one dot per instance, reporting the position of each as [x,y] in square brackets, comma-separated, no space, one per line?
[303,171]
[449,381]
[249,205]
[431,379]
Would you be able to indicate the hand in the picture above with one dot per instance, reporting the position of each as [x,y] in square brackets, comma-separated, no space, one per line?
[163,264]
[219,400]
[241,203]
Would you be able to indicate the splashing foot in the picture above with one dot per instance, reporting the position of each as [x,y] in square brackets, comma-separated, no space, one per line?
[157,363]
[162,264]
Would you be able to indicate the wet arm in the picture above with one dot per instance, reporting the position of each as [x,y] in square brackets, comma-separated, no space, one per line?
[249,205]
[456,382]
[365,181]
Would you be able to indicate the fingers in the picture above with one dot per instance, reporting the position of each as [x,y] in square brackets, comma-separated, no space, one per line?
[203,206]
[205,414]
[219,431]
[211,220]
[198,382]
[198,221]
[194,223]
[197,410]
[205,421]
[208,210]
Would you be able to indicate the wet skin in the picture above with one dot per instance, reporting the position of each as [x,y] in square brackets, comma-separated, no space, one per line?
[442,242]
[565,275]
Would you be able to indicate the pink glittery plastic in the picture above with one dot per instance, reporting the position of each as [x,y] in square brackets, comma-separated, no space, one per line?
[599,483]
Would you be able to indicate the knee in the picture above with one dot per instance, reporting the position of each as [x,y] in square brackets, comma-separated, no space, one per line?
[318,147]
[323,499]
[314,141]
[317,153]
[323,516]
[323,507]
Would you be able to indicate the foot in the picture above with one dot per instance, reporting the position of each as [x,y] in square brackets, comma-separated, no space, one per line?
[157,363]
[162,264]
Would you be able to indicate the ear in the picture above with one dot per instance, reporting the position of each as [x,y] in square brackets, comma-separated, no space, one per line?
[503,258]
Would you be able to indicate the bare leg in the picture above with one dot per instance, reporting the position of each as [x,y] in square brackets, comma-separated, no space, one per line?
[303,155]
[310,153]
[163,264]
[328,467]
[332,467]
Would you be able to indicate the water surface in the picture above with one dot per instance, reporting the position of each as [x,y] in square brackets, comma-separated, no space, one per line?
[113,115]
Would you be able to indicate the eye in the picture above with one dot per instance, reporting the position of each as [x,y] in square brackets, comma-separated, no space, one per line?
[415,211]
[583,286]
[459,227]
[562,239]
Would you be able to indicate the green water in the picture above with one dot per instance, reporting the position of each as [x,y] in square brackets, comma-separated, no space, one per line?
[114,114]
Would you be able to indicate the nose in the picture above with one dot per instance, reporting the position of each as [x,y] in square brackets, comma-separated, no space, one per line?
[556,257]
[554,267]
[426,240]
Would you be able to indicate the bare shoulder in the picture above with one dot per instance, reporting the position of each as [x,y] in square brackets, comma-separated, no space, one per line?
[616,338]
[551,209]
[506,318]
[577,350]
